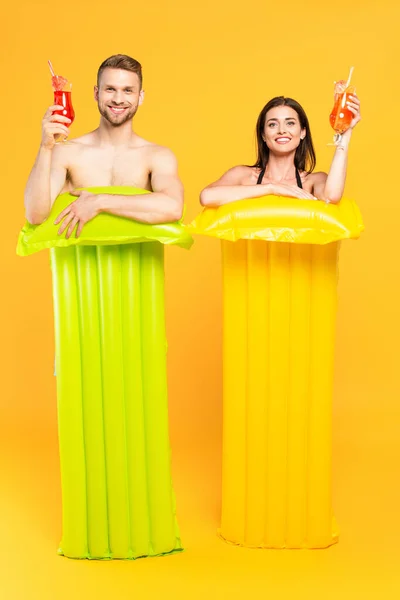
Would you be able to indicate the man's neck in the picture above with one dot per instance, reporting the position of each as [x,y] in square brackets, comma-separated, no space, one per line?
[108,135]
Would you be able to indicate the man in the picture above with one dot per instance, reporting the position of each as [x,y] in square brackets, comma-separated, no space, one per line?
[112,154]
[113,424]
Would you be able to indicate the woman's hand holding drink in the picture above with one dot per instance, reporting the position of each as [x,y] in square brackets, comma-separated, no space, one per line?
[341,117]
[346,109]
[283,189]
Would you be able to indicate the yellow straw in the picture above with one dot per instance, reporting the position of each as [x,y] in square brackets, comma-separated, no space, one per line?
[349,78]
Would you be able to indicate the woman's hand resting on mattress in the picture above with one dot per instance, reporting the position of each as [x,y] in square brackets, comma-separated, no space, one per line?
[291,191]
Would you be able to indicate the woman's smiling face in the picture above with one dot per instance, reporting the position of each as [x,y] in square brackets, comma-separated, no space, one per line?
[282,130]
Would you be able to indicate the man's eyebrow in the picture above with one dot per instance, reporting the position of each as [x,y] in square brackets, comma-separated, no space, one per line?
[126,87]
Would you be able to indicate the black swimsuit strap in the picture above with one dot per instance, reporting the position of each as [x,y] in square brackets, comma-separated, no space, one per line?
[298,179]
[261,176]
[262,173]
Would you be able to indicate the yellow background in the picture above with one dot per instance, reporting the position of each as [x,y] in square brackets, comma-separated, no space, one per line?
[209,67]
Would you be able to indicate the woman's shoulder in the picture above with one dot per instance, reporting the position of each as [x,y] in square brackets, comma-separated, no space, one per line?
[241,170]
[314,177]
[313,182]
[238,175]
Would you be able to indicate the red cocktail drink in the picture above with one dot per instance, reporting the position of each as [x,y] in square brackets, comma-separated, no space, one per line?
[64,99]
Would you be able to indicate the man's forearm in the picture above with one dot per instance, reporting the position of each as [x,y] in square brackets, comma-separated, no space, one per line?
[153,208]
[37,190]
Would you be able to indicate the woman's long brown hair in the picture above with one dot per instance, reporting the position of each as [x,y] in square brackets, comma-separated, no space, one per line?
[304,159]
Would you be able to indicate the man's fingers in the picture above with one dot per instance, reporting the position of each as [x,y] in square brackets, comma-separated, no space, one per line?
[56,118]
[74,221]
[67,221]
[63,214]
[52,109]
[80,227]
[57,128]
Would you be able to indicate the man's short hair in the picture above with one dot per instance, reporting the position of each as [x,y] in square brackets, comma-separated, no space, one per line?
[121,61]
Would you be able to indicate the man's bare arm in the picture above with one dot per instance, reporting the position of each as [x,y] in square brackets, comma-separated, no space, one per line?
[49,172]
[164,205]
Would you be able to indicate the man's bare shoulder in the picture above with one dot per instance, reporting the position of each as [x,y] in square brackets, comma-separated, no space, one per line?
[160,155]
[88,139]
[158,150]
[65,152]
[137,142]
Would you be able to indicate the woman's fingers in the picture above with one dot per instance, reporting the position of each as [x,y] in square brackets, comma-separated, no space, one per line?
[295,192]
[355,111]
[353,104]
[303,195]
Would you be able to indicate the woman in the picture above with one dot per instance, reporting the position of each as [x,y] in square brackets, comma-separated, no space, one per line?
[286,159]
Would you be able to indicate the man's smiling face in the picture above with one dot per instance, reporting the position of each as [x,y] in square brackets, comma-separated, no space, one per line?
[118,95]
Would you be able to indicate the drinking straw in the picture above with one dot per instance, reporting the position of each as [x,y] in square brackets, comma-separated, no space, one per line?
[349,78]
[344,97]
[51,68]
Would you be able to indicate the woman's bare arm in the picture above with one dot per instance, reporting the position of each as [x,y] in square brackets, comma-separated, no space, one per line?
[230,188]
[330,187]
